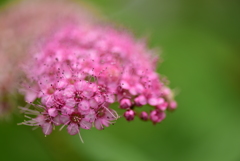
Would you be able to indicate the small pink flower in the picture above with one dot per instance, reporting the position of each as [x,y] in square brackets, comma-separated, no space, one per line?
[157,116]
[104,116]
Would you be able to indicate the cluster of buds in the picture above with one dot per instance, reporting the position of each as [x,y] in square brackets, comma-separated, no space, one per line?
[80,70]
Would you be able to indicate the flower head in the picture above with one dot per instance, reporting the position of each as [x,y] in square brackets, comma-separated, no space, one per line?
[81,70]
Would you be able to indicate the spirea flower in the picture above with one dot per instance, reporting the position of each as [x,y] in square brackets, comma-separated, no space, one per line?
[79,71]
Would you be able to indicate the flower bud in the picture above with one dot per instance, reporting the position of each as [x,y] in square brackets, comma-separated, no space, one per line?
[140,100]
[143,116]
[157,116]
[125,103]
[129,115]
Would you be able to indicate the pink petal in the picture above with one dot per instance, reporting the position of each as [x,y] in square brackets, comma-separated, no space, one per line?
[47,128]
[85,124]
[93,103]
[30,96]
[73,129]
[83,105]
[98,124]
[52,112]
[57,120]
[64,119]
[110,98]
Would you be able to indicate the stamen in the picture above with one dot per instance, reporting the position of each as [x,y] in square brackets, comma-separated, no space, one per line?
[80,137]
[64,125]
[116,117]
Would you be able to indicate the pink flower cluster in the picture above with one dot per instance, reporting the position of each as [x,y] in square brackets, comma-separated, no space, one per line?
[79,71]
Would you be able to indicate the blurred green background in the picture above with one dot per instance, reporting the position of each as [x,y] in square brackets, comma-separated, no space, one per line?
[200,44]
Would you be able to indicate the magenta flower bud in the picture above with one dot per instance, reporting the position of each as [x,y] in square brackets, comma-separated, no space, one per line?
[143,116]
[157,116]
[125,103]
[129,115]
[172,105]
[140,100]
